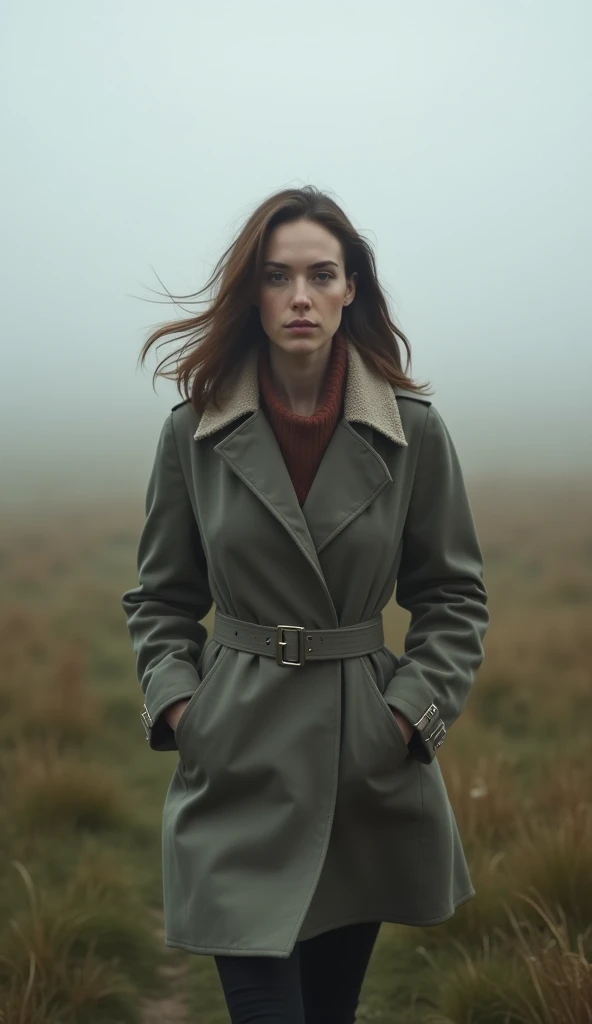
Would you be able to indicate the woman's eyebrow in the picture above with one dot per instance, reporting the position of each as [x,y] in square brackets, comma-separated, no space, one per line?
[311,266]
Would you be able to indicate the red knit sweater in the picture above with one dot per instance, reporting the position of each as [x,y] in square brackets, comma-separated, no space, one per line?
[303,439]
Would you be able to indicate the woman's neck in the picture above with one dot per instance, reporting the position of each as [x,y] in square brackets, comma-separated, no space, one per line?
[299,380]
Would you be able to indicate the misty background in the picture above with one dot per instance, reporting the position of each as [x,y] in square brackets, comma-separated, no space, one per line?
[137,137]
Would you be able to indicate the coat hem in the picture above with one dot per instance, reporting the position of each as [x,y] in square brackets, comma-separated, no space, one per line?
[284,954]
[396,919]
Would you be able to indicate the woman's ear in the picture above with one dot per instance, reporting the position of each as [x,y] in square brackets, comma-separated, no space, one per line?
[350,289]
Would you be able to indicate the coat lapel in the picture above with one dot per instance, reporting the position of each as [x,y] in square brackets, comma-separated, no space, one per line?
[351,474]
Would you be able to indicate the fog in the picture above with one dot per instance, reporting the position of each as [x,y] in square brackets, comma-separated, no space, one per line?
[137,137]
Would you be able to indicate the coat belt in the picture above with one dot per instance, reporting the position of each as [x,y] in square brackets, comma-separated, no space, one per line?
[295,645]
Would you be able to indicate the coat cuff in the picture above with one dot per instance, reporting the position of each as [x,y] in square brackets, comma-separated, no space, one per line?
[159,734]
[430,729]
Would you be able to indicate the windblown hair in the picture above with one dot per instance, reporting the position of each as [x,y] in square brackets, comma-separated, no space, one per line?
[219,337]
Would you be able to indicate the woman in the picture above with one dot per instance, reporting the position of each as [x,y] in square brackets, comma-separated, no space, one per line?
[301,479]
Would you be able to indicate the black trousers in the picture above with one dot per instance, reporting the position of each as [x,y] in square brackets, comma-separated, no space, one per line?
[319,983]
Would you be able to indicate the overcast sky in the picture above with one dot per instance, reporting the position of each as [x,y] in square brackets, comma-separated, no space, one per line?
[137,137]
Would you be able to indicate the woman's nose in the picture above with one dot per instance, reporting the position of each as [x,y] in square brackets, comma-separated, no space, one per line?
[300,297]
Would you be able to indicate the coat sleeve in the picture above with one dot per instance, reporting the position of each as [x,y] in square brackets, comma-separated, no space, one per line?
[440,582]
[163,612]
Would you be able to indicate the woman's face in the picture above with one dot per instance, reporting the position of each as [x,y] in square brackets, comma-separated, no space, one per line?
[303,279]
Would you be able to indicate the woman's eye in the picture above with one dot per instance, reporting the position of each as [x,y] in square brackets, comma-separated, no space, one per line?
[275,276]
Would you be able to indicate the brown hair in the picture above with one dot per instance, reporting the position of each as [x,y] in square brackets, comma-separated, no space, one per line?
[221,335]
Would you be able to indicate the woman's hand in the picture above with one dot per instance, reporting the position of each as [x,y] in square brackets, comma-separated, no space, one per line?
[174,712]
[405,726]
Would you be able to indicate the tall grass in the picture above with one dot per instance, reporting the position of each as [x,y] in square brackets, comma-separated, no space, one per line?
[52,973]
[536,973]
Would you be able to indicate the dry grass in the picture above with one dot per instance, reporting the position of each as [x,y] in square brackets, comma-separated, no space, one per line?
[50,972]
[68,794]
[539,974]
[43,686]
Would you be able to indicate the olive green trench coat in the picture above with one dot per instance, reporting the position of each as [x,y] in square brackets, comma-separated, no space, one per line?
[295,805]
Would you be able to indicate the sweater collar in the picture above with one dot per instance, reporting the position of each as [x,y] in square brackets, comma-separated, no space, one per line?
[368,398]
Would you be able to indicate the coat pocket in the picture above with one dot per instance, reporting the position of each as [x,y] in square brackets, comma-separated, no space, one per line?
[219,652]
[375,687]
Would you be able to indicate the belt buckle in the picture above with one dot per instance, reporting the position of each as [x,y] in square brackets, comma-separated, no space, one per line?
[280,643]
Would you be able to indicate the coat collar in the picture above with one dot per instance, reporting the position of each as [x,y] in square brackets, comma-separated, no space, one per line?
[352,474]
[369,398]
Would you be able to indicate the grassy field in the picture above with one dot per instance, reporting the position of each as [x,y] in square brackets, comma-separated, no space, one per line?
[81,794]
